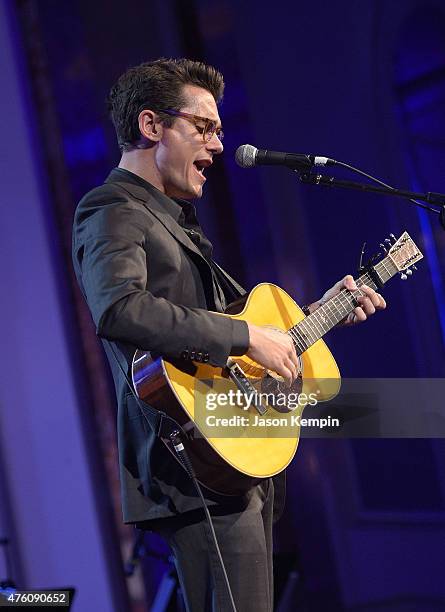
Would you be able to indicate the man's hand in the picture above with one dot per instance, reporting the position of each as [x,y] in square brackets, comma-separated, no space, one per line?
[369,303]
[273,350]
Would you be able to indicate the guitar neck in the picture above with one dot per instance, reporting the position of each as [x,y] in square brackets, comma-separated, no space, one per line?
[316,325]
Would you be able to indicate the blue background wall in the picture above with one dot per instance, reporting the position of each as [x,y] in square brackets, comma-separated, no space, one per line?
[362,82]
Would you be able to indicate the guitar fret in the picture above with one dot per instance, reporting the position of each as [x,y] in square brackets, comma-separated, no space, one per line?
[298,346]
[305,339]
[318,323]
[311,331]
[332,306]
[366,280]
[388,272]
[332,317]
[321,327]
[298,341]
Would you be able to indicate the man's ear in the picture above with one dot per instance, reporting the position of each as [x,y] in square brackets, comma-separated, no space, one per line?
[150,126]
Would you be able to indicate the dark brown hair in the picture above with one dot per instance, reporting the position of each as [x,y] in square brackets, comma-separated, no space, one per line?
[157,85]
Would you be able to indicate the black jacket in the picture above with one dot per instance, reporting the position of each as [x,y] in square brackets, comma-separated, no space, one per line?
[148,286]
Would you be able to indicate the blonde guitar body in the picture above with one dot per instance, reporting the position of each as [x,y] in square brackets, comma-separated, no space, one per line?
[234,444]
[248,453]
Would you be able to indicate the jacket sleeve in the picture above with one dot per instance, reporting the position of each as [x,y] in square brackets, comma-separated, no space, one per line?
[111,258]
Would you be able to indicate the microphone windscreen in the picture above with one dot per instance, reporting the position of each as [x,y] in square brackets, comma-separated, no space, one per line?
[245,156]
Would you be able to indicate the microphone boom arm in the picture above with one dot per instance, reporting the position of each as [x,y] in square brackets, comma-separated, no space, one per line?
[436,199]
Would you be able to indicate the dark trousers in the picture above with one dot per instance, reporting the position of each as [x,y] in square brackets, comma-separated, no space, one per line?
[245,539]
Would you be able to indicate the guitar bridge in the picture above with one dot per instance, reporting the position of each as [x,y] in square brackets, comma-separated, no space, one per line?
[237,375]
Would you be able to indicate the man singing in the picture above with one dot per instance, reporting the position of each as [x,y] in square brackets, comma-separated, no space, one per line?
[147,272]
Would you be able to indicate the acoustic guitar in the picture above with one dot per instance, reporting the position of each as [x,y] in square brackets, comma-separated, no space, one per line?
[243,422]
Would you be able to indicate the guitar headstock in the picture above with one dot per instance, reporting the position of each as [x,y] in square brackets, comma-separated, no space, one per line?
[404,253]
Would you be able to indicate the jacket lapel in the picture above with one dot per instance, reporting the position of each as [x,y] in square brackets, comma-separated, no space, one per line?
[155,208]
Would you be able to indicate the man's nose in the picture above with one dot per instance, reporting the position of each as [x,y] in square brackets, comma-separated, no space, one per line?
[215,145]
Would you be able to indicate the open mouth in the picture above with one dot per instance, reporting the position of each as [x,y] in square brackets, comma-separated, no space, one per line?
[201,165]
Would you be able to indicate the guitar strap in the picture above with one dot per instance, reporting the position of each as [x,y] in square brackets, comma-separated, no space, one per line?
[225,279]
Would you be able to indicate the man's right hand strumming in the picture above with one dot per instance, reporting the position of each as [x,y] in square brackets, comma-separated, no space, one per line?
[274,350]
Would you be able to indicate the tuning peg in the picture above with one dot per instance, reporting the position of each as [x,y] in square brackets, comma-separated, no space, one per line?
[409,271]
[403,276]
[388,241]
[383,247]
[393,238]
[414,267]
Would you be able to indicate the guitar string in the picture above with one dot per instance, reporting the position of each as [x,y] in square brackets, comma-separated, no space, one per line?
[324,319]
[329,316]
[330,313]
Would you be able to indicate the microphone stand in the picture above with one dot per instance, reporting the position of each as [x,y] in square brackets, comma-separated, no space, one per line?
[437,199]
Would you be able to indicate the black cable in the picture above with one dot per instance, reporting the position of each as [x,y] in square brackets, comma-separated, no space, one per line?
[175,438]
[378,181]
[185,460]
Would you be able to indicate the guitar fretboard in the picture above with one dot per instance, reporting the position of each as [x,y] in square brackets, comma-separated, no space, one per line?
[317,324]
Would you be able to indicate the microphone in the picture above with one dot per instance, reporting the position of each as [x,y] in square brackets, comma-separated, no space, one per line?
[248,156]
